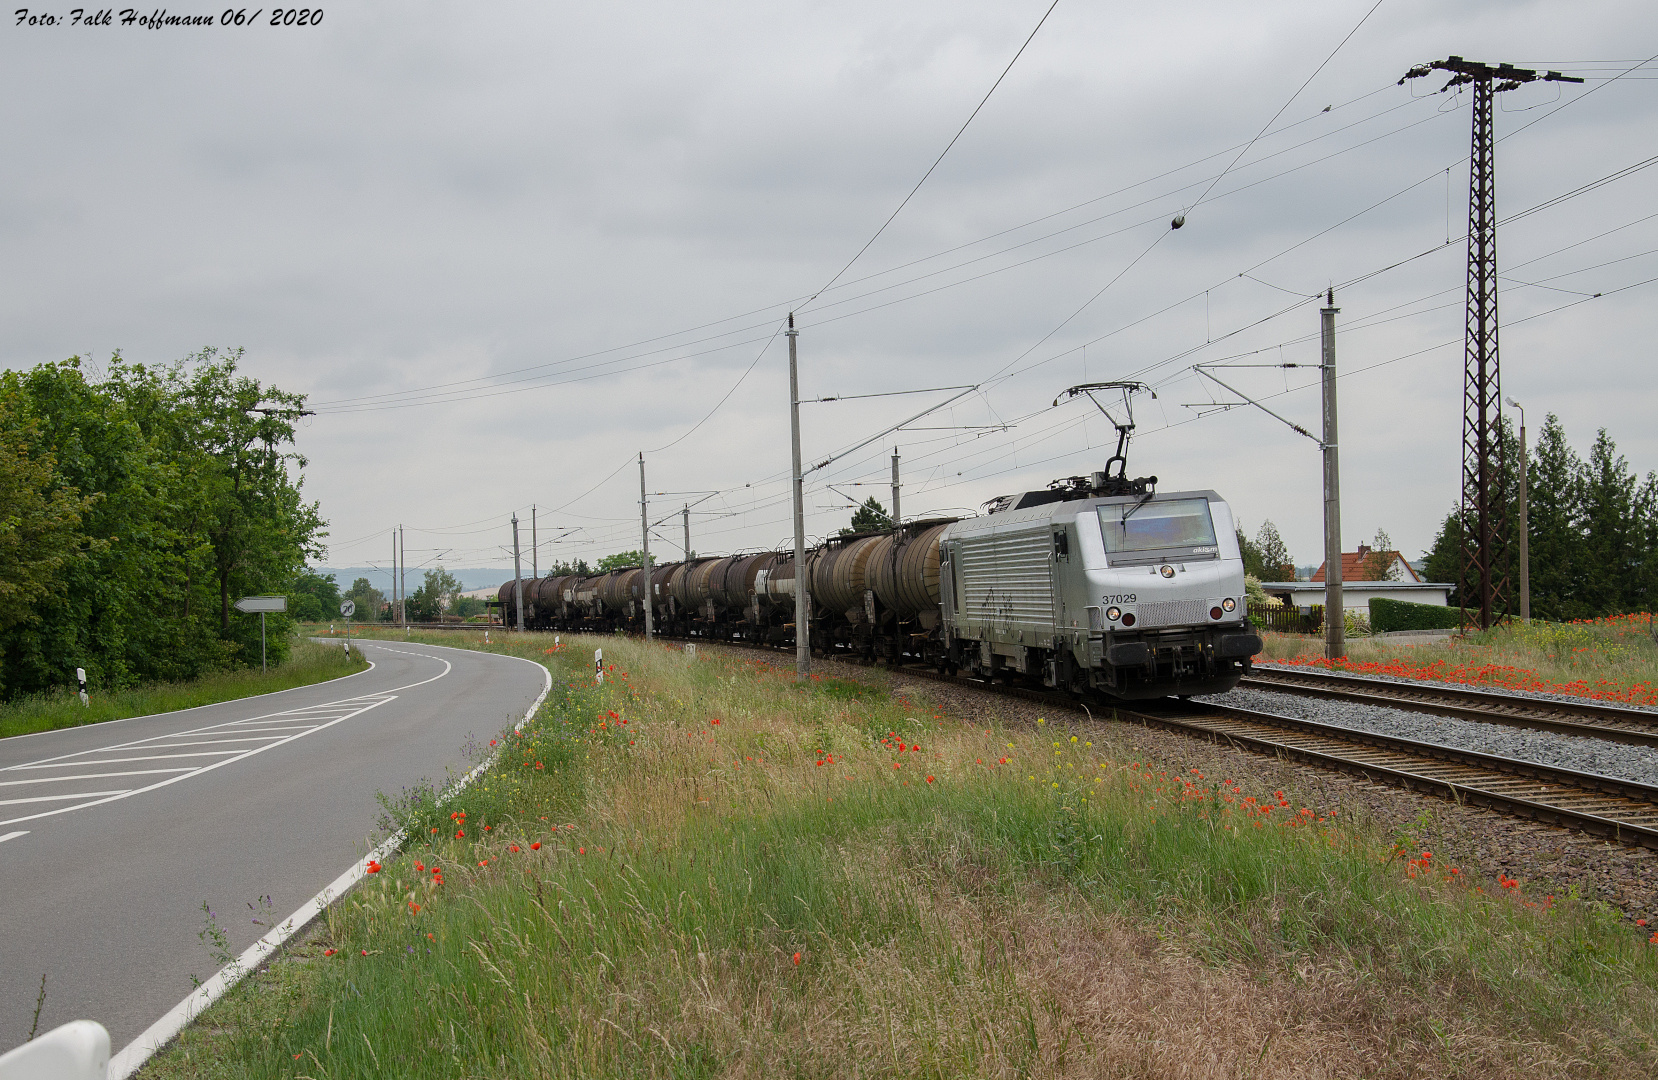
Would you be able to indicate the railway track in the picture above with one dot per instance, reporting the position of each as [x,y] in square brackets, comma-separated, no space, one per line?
[1563,717]
[1619,810]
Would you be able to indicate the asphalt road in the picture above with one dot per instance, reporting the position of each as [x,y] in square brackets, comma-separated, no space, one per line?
[113,835]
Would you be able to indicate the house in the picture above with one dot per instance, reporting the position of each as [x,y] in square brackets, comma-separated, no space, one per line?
[1356,566]
[1358,587]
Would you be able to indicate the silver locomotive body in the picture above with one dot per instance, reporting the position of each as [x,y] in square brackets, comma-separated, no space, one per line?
[1132,596]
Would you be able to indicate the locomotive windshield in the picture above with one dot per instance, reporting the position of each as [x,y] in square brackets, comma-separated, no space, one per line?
[1156,526]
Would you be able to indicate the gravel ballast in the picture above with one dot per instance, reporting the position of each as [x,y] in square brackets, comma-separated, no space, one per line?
[1580,753]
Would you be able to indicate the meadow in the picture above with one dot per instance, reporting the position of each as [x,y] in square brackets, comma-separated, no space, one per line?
[308,662]
[701,868]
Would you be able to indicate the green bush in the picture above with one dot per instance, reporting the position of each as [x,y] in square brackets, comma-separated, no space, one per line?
[1389,615]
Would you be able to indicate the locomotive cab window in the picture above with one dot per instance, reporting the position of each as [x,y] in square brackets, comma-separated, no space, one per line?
[1182,524]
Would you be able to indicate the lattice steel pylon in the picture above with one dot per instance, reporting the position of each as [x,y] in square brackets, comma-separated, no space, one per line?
[1484,498]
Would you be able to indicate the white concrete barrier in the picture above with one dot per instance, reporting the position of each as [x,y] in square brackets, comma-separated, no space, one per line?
[79,1050]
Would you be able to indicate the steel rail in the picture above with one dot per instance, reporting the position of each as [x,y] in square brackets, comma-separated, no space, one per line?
[1582,718]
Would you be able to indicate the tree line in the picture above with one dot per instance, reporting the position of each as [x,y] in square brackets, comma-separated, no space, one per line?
[135,509]
[1592,530]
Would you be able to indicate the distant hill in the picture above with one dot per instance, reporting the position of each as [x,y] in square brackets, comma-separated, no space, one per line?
[476,577]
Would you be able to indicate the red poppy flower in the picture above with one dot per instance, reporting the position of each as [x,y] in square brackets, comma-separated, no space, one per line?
[329,952]
[372,867]
[929,779]
[796,959]
[513,848]
[459,833]
[536,846]
[581,851]
[365,952]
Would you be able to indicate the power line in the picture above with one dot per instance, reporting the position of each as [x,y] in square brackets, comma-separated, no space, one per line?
[940,157]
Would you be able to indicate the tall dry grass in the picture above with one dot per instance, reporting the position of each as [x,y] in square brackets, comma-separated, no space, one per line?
[738,876]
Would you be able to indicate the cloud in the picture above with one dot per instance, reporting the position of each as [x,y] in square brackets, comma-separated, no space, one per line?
[434,195]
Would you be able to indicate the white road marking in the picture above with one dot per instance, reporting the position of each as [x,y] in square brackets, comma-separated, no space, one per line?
[87,776]
[283,727]
[59,798]
[120,760]
[132,1056]
[14,835]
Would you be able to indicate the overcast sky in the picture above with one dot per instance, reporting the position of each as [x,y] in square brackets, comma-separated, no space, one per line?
[503,248]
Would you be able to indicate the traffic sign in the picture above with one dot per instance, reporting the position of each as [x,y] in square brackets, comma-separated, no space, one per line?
[348,608]
[251,604]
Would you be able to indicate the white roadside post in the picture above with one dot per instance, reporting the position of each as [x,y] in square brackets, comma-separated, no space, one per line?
[262,604]
[598,665]
[80,677]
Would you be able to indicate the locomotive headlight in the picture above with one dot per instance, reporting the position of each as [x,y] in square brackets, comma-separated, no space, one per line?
[1229,604]
[1113,614]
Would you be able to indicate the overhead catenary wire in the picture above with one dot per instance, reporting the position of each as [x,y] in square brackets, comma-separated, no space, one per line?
[954,139]
[1429,251]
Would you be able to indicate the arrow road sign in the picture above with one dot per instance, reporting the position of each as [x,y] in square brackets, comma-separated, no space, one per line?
[252,604]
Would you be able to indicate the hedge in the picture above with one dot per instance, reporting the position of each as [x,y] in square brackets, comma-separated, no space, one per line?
[1389,615]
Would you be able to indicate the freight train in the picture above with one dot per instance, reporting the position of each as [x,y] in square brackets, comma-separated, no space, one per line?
[1077,587]
[1099,584]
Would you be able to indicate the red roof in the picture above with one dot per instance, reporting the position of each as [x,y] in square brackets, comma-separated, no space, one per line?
[1353,569]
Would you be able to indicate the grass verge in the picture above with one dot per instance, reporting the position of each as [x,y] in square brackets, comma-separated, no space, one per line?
[1614,659]
[703,869]
[307,663]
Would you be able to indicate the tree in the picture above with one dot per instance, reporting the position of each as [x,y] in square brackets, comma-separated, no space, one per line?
[1276,562]
[1555,511]
[313,598]
[187,498]
[39,516]
[368,599]
[1379,564]
[622,560]
[434,597]
[870,517]
[1612,533]
[1254,565]
[579,566]
[1443,561]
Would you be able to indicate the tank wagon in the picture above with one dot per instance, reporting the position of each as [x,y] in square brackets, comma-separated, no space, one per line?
[1098,584]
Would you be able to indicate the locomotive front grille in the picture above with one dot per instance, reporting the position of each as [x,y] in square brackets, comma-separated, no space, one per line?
[1172,613]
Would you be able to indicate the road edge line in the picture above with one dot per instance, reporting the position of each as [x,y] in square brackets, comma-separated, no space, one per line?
[135,1054]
